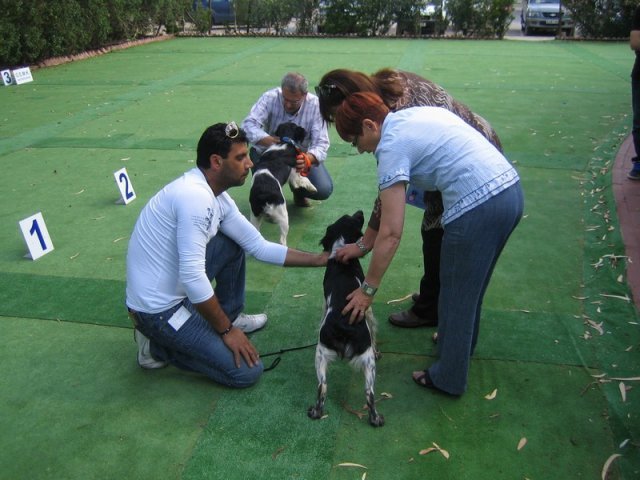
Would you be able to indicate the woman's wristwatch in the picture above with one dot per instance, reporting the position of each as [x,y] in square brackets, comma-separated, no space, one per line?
[369,290]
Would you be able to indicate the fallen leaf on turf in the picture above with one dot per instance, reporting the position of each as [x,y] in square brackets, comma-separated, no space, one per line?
[596,326]
[118,239]
[78,193]
[74,256]
[364,476]
[349,464]
[624,443]
[444,453]
[620,279]
[386,395]
[522,443]
[623,391]
[607,464]
[619,297]
[626,379]
[435,448]
[492,395]
[299,295]
[397,300]
[425,451]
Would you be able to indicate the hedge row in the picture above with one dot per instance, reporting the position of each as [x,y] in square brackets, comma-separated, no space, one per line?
[33,30]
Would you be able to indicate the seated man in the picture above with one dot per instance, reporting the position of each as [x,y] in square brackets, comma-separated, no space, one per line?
[292,102]
[190,233]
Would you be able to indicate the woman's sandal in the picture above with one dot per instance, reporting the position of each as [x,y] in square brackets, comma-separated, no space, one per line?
[423,379]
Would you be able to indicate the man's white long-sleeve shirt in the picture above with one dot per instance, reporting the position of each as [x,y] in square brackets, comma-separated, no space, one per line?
[268,112]
[166,256]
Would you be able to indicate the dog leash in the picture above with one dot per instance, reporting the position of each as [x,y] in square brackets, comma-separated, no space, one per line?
[275,363]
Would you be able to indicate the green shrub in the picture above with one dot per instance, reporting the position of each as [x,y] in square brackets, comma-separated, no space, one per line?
[602,18]
[480,18]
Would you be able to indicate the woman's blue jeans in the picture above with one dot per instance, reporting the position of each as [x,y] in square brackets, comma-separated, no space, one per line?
[471,246]
[196,346]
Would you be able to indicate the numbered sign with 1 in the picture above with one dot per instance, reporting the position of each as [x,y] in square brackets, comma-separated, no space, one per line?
[127,194]
[36,235]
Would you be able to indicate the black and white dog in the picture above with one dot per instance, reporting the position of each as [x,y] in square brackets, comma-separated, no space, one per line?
[276,167]
[338,338]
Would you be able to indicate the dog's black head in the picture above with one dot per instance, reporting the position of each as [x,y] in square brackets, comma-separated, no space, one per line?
[291,130]
[349,227]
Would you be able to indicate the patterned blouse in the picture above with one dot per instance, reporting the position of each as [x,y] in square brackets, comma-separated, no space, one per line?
[420,92]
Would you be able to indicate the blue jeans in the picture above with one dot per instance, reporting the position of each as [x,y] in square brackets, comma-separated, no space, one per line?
[471,246]
[196,346]
[318,176]
[635,107]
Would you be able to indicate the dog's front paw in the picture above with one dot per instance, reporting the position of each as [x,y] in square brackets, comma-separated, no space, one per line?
[376,420]
[315,413]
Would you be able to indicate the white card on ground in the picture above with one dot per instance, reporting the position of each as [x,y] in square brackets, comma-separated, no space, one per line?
[22,75]
[127,194]
[7,78]
[36,235]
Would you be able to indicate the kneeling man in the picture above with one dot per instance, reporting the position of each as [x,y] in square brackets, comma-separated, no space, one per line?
[188,235]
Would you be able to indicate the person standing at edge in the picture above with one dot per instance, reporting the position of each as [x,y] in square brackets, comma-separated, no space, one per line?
[634,43]
[188,235]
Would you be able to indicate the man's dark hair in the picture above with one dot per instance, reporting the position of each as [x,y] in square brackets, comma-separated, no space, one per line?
[217,139]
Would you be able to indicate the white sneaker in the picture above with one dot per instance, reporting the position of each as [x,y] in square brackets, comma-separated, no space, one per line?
[145,360]
[250,323]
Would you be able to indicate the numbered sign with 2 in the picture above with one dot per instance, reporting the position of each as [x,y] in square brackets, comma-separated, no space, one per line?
[127,194]
[36,235]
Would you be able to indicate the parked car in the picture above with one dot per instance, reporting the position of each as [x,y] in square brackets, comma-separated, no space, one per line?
[545,16]
[223,12]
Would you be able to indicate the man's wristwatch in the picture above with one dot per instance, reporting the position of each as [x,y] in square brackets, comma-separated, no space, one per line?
[360,245]
[369,290]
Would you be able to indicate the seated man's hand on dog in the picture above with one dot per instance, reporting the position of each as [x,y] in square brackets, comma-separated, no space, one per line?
[241,347]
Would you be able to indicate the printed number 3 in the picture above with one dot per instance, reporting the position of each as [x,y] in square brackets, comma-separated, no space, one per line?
[124,179]
[35,228]
[7,77]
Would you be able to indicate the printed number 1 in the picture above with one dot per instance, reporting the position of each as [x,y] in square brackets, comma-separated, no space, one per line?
[123,178]
[35,228]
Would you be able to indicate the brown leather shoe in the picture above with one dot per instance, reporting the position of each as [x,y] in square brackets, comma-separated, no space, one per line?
[408,319]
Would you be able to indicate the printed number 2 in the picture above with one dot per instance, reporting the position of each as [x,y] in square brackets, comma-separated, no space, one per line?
[35,228]
[124,179]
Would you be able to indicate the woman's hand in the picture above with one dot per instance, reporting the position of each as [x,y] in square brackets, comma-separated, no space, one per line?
[349,251]
[358,304]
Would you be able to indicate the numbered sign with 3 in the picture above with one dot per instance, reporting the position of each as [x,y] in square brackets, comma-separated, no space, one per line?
[36,235]
[127,194]
[7,78]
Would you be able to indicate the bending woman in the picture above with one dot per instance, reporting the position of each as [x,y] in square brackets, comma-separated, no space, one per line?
[399,90]
[436,151]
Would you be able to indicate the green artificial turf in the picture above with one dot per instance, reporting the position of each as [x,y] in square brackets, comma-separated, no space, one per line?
[557,337]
